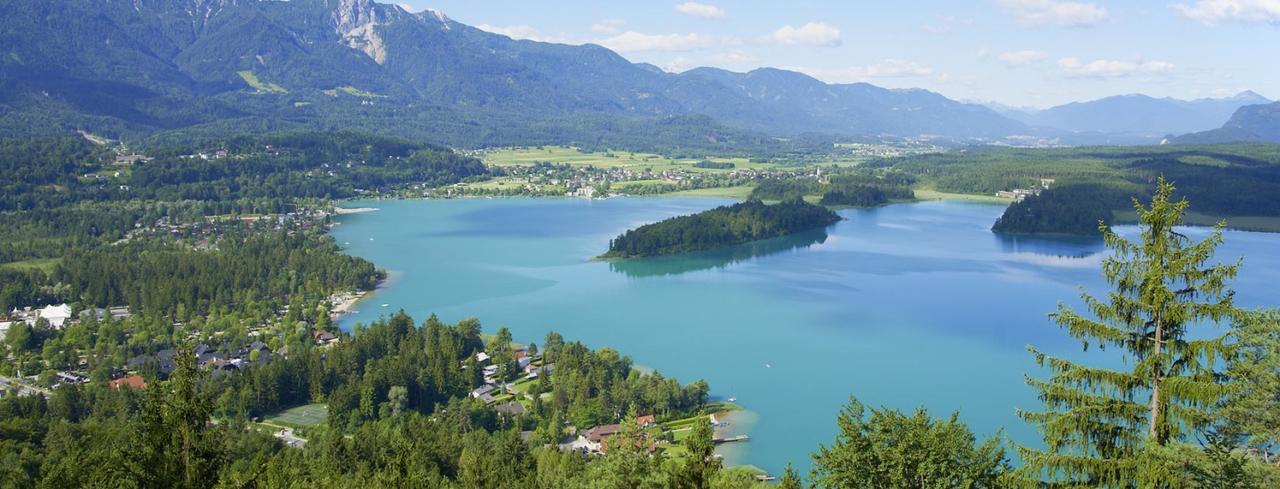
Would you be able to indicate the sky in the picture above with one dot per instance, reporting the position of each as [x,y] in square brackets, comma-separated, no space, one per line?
[1026,53]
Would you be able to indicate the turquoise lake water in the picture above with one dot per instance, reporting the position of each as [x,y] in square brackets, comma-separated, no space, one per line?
[906,305]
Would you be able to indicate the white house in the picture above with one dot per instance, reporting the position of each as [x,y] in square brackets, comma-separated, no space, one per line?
[57,315]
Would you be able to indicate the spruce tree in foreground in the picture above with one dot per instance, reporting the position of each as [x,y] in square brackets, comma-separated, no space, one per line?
[700,466]
[1251,411]
[1099,423]
[891,449]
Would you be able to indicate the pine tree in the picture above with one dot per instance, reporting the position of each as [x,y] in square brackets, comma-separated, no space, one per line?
[700,465]
[1097,421]
[887,448]
[790,479]
[1252,407]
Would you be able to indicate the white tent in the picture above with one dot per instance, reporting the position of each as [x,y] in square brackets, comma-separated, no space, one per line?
[56,315]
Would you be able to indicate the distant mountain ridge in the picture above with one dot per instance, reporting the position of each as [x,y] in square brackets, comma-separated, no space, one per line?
[203,68]
[860,108]
[139,66]
[1251,123]
[1139,114]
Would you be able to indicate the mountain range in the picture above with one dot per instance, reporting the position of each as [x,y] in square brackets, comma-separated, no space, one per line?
[193,68]
[1138,115]
[1252,123]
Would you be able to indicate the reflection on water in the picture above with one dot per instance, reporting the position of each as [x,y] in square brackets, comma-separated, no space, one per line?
[1057,246]
[703,260]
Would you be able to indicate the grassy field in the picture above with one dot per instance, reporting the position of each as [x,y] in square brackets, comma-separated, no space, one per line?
[260,85]
[932,194]
[352,91]
[45,265]
[304,416]
[739,192]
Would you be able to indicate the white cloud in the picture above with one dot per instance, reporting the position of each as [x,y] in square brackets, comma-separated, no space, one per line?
[889,68]
[1024,57]
[631,41]
[1107,68]
[678,65]
[736,57]
[811,34]
[702,10]
[1053,12]
[608,26]
[1213,12]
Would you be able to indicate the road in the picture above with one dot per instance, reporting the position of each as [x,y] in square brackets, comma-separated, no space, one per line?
[24,389]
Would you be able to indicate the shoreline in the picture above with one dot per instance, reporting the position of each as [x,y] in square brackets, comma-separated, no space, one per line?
[346,301]
[342,211]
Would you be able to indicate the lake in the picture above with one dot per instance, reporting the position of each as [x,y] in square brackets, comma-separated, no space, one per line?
[905,305]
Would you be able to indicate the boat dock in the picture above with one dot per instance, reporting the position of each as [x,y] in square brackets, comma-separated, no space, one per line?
[731,439]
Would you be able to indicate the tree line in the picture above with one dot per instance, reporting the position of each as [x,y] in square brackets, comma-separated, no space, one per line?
[855,188]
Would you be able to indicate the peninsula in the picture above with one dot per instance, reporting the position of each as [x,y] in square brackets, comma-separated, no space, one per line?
[723,226]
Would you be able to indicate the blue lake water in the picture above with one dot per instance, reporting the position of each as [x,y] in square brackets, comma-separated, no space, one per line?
[906,305]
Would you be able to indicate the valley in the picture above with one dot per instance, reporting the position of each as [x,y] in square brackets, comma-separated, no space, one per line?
[639,245]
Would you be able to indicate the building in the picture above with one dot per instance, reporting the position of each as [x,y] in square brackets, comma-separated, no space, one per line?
[131,159]
[581,445]
[482,391]
[96,313]
[323,338]
[118,313]
[598,434]
[131,381]
[646,421]
[1018,193]
[512,408]
[65,378]
[56,316]
[162,362]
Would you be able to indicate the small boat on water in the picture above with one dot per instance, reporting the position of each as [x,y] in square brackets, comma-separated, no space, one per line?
[733,399]
[386,305]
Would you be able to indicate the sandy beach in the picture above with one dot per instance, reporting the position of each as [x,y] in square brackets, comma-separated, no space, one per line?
[344,302]
[353,210]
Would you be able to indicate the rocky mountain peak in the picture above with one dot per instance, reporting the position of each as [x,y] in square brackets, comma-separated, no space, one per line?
[357,21]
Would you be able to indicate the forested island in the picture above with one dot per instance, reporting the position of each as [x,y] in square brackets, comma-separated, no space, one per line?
[723,226]
[1072,210]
